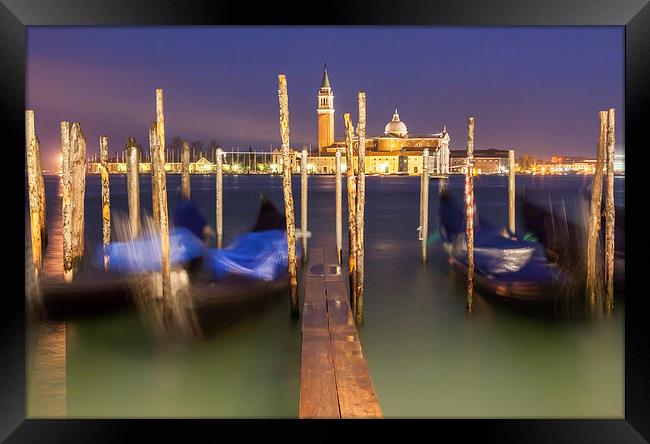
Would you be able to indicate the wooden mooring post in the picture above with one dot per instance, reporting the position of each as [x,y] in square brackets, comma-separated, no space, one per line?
[610,215]
[303,203]
[66,204]
[34,217]
[361,204]
[73,148]
[133,186]
[511,190]
[593,283]
[469,213]
[352,210]
[219,197]
[40,182]
[160,122]
[106,196]
[160,195]
[424,204]
[36,194]
[288,195]
[185,171]
[338,204]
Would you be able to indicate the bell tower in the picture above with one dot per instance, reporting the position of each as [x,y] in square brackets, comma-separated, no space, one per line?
[325,112]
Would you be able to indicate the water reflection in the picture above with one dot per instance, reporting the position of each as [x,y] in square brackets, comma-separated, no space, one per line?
[47,341]
[172,317]
[47,379]
[426,356]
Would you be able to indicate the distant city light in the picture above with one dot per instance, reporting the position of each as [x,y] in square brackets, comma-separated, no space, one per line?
[619,158]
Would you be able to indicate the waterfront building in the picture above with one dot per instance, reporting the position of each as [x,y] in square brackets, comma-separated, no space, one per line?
[490,161]
[572,164]
[394,152]
[558,164]
[567,160]
[203,166]
[585,165]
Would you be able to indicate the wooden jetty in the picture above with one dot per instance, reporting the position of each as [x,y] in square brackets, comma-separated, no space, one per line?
[334,377]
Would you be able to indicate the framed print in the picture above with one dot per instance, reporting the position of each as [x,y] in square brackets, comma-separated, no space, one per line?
[238,219]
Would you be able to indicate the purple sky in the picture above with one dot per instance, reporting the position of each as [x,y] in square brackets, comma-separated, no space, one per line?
[535,89]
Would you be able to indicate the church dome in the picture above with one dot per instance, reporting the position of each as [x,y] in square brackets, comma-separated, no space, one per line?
[396,127]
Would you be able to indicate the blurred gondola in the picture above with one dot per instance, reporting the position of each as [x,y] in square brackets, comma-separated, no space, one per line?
[505,264]
[252,267]
[565,240]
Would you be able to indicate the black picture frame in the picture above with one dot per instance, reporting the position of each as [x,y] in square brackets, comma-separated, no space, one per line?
[634,15]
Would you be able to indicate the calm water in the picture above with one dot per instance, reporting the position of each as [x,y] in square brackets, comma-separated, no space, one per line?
[427,357]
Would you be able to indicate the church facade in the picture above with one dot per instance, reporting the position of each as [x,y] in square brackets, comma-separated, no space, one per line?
[396,151]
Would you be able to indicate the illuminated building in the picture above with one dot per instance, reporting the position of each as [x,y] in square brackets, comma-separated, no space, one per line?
[571,164]
[491,161]
[396,151]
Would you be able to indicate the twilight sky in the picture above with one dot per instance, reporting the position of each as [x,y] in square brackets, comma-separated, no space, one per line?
[535,89]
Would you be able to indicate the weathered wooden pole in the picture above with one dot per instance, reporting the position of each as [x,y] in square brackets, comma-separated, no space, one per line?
[219,197]
[303,203]
[160,122]
[185,171]
[34,206]
[511,190]
[424,203]
[469,213]
[338,190]
[66,204]
[352,210]
[361,203]
[160,195]
[155,209]
[36,193]
[592,287]
[288,196]
[106,196]
[421,200]
[133,186]
[610,215]
[73,147]
[31,133]
[78,168]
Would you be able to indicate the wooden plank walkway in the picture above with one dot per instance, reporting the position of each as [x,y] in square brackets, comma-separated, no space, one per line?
[334,377]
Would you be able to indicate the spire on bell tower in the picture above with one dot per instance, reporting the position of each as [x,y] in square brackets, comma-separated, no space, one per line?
[326,80]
